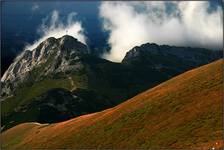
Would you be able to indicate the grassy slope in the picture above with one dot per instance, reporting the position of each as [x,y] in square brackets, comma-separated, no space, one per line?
[184,112]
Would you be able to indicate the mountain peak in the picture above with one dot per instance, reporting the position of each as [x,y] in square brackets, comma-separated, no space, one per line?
[70,43]
[62,41]
[67,37]
[52,55]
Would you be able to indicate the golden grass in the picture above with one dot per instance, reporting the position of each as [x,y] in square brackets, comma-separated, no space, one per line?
[184,112]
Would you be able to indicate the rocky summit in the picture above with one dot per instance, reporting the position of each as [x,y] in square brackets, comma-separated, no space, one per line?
[50,57]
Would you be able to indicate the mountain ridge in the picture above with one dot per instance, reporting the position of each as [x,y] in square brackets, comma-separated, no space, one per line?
[196,95]
[65,65]
[188,54]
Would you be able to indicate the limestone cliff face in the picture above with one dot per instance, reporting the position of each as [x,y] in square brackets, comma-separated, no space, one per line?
[50,57]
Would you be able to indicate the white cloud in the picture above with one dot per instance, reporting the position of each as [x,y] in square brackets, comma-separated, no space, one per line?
[134,23]
[35,7]
[52,26]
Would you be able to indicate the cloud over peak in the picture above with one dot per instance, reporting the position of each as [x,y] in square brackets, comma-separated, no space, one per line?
[187,23]
[52,26]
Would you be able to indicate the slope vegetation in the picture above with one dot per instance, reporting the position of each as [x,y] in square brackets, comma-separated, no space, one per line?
[184,112]
[60,79]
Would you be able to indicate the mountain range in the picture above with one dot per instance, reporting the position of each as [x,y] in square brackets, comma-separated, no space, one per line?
[61,79]
[181,113]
